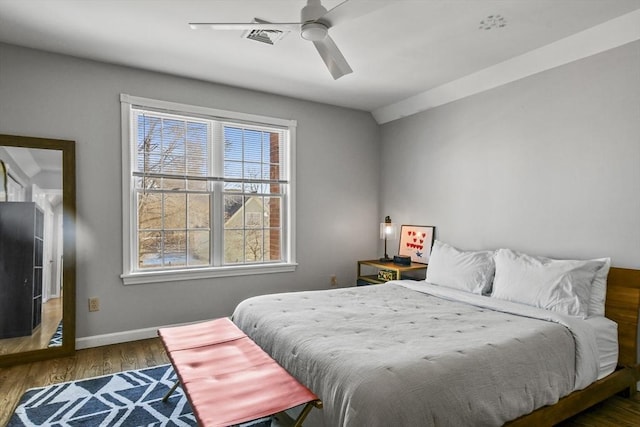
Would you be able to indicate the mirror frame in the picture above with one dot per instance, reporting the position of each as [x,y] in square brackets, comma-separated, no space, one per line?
[68,249]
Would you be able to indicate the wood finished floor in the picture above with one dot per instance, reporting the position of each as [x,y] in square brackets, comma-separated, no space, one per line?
[614,412]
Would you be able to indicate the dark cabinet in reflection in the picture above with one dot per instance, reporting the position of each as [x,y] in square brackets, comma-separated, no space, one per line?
[21,261]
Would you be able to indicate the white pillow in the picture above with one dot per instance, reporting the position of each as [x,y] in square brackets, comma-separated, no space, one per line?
[563,286]
[470,271]
[599,289]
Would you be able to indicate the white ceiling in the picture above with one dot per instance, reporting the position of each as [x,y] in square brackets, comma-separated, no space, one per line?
[401,50]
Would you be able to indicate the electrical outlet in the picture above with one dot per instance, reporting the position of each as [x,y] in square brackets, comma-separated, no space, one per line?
[334,281]
[94,304]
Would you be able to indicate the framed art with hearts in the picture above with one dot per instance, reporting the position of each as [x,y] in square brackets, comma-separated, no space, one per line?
[416,242]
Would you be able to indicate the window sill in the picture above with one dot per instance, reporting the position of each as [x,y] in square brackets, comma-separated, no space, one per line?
[204,273]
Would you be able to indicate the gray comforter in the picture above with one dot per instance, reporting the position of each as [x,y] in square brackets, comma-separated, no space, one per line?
[387,355]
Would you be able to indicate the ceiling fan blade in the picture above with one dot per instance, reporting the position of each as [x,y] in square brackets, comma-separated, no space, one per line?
[350,9]
[282,26]
[332,57]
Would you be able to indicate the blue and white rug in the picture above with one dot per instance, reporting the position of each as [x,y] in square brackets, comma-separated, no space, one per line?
[56,338]
[127,399]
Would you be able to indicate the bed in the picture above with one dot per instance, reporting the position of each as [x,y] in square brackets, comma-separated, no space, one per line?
[420,353]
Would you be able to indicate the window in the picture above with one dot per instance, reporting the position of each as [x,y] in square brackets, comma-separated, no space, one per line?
[206,192]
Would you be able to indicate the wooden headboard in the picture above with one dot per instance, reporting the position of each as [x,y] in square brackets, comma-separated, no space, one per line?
[622,306]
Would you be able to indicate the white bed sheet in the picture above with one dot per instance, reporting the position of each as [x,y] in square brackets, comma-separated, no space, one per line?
[606,331]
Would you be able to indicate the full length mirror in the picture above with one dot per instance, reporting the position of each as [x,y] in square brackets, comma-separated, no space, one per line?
[37,248]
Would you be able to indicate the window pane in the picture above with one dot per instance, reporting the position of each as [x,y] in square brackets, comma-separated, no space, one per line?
[150,163]
[173,184]
[256,188]
[149,249]
[232,143]
[232,169]
[138,183]
[273,234]
[198,211]
[149,211]
[254,245]
[273,244]
[173,164]
[266,146]
[253,212]
[197,149]
[272,155]
[252,187]
[266,172]
[175,211]
[175,249]
[252,146]
[273,207]
[173,147]
[198,247]
[197,185]
[275,189]
[148,138]
[232,186]
[153,183]
[233,246]
[252,171]
[274,171]
[233,211]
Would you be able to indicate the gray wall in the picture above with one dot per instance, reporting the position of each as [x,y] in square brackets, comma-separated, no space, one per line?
[548,165]
[49,95]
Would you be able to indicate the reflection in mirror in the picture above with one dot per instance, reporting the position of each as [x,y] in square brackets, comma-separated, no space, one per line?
[31,241]
[37,204]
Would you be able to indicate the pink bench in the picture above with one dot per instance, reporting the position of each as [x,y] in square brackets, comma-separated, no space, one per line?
[228,379]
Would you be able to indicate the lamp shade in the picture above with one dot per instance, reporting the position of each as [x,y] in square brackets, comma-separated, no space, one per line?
[388,230]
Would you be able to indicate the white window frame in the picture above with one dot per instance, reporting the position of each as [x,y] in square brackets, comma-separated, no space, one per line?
[130,275]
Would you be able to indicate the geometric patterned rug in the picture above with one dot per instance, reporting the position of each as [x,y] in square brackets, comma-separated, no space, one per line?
[131,398]
[56,338]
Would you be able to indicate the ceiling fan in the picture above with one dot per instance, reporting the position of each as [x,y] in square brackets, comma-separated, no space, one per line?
[314,25]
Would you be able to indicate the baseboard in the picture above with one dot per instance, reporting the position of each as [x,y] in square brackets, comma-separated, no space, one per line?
[120,337]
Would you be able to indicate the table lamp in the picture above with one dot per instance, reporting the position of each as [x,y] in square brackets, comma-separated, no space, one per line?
[388,230]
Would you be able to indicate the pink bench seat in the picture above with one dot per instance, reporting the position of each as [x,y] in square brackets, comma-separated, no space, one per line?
[227,378]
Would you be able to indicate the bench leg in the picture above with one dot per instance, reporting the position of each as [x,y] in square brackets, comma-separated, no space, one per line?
[305,411]
[166,396]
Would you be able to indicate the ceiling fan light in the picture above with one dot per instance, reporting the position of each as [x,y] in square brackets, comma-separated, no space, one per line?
[314,31]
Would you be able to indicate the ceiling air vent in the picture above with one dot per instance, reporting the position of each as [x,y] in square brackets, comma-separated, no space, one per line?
[264,36]
[492,21]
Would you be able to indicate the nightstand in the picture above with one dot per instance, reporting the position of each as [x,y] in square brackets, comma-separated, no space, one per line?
[380,269]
